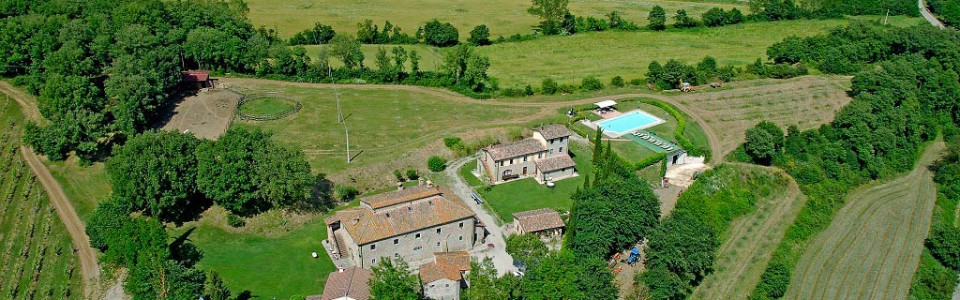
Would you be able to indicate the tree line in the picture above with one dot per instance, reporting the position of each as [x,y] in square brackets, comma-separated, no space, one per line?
[948,11]
[936,276]
[903,94]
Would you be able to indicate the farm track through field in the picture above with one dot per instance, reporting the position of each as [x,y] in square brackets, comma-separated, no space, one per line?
[872,247]
[750,243]
[64,208]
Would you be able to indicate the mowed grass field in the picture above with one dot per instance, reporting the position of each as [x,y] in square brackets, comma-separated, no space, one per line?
[36,254]
[807,102]
[568,59]
[390,128]
[872,247]
[503,17]
[749,243]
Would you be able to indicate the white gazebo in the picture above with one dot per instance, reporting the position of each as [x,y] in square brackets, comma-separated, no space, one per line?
[605,104]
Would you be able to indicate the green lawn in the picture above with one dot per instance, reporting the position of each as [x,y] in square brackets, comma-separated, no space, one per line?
[527,194]
[568,59]
[267,267]
[467,174]
[84,185]
[503,17]
[266,106]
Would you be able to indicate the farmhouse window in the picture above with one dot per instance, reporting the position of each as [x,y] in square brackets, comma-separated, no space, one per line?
[396,241]
[418,236]
[461,224]
[438,230]
[373,247]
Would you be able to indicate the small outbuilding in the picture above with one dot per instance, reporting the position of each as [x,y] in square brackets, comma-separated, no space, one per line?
[200,78]
[446,275]
[346,284]
[543,222]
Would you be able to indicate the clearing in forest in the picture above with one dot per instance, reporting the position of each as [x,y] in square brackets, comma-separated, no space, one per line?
[872,247]
[749,244]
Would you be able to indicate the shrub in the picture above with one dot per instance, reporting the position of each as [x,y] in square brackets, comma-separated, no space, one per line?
[683,20]
[319,34]
[440,34]
[346,192]
[617,81]
[436,163]
[567,88]
[451,141]
[480,35]
[412,174]
[528,90]
[397,174]
[235,221]
[637,81]
[591,84]
[549,86]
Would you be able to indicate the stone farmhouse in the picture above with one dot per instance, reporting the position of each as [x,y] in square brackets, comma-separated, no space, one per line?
[544,222]
[544,156]
[410,224]
[444,277]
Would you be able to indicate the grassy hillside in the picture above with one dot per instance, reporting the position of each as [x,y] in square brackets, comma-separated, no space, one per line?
[504,17]
[873,245]
[568,59]
[36,254]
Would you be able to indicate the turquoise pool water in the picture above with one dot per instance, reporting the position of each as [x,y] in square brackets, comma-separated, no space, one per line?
[627,122]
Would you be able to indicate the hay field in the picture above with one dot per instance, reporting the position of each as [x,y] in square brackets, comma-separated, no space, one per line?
[568,59]
[503,17]
[873,245]
[749,244]
[36,254]
[807,102]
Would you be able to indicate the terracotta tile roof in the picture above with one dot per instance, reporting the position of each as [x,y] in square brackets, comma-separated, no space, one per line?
[554,163]
[195,75]
[554,131]
[518,148]
[401,196]
[365,225]
[538,220]
[351,283]
[449,265]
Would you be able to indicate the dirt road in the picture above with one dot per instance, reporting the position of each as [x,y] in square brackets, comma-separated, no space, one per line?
[501,259]
[930,18]
[81,242]
[90,269]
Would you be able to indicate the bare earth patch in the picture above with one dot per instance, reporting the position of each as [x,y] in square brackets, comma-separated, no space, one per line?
[206,114]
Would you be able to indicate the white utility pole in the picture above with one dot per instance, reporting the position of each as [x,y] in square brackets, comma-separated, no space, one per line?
[347,131]
[337,92]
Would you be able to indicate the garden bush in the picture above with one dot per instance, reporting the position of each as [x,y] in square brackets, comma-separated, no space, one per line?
[346,192]
[436,163]
[591,84]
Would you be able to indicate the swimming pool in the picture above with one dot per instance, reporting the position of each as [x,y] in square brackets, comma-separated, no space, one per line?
[628,122]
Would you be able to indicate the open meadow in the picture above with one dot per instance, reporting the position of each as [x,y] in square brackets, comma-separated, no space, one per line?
[568,59]
[36,254]
[872,247]
[504,17]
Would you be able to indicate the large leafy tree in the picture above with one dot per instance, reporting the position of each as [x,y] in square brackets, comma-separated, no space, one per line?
[156,172]
[551,14]
[657,19]
[526,248]
[561,275]
[393,280]
[484,284]
[246,172]
[764,142]
[347,49]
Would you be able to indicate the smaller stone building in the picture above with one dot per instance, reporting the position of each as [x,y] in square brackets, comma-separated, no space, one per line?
[543,156]
[444,277]
[543,222]
[346,284]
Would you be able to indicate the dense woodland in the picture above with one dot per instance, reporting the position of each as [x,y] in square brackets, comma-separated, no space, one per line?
[948,11]
[936,277]
[905,90]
